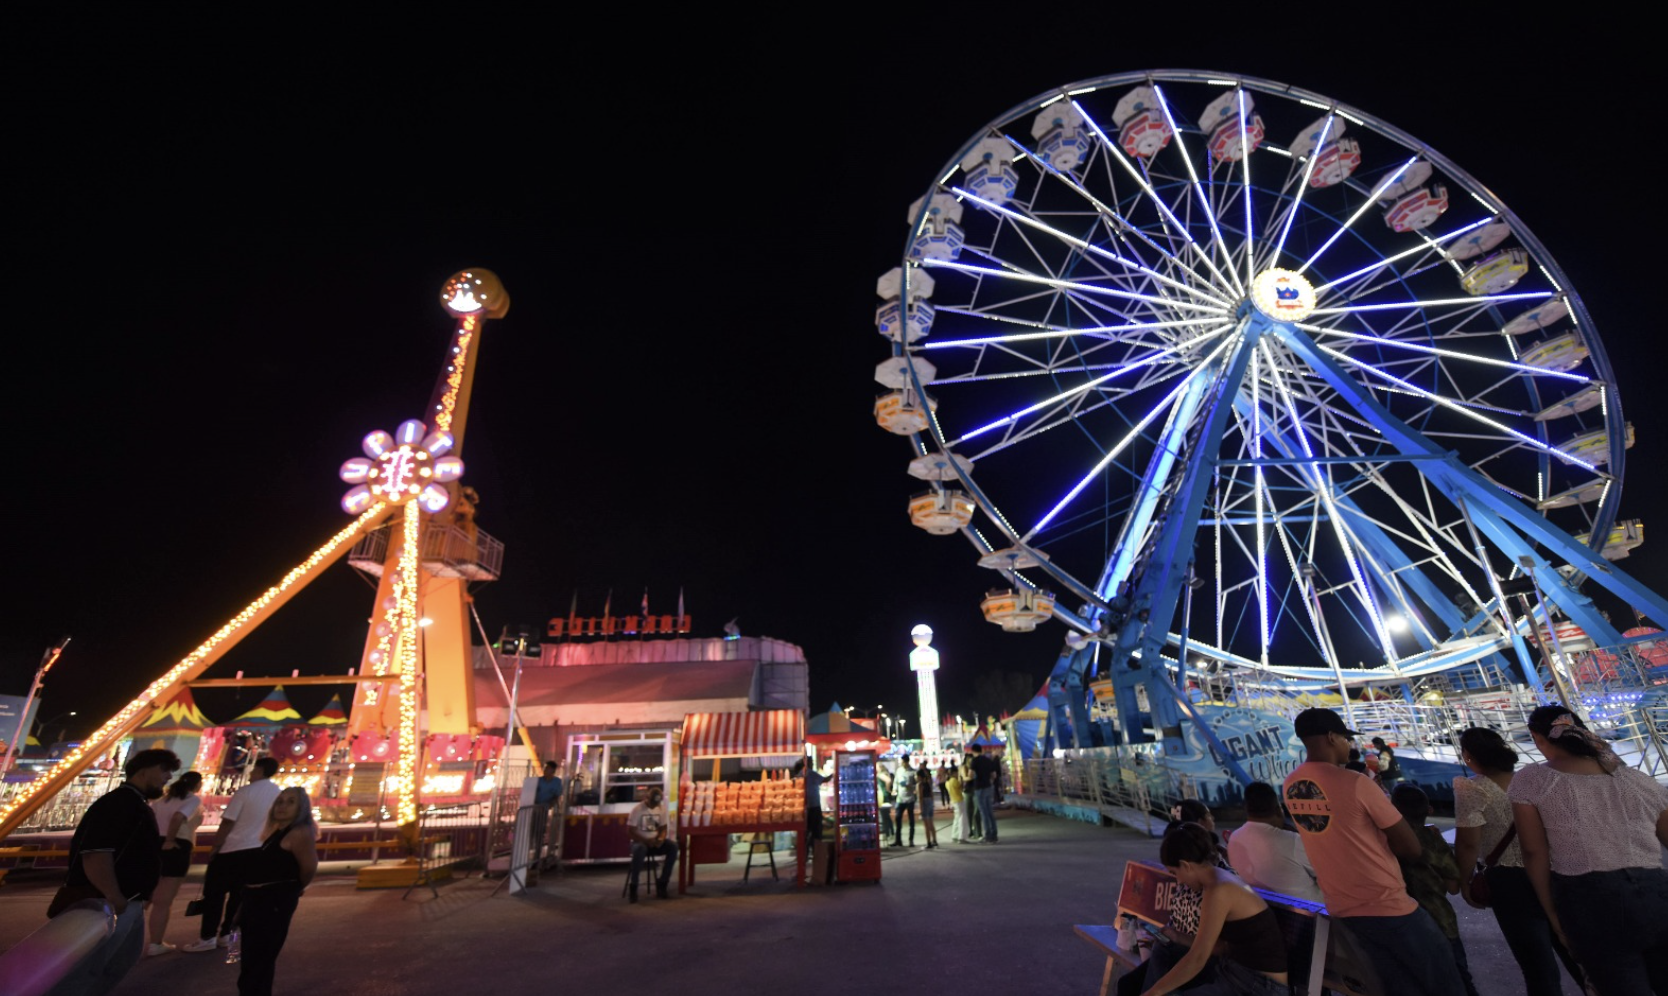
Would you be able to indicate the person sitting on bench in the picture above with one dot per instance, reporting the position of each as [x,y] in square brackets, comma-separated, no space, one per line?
[1253,960]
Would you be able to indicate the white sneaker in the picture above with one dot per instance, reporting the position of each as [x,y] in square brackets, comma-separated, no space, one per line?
[206,944]
[225,940]
[159,947]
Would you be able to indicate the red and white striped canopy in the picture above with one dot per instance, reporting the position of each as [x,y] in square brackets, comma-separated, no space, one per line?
[744,734]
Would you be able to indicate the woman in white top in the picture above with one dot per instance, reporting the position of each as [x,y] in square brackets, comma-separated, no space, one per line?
[1482,818]
[1592,831]
[178,815]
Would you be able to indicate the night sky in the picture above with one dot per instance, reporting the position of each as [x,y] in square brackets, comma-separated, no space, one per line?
[226,266]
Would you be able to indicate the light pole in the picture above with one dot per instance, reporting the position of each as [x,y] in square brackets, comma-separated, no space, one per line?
[47,725]
[923,660]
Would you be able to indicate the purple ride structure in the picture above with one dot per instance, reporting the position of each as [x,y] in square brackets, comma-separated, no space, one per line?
[1269,404]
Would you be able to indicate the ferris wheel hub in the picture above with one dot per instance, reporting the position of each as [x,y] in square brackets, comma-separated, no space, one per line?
[1283,295]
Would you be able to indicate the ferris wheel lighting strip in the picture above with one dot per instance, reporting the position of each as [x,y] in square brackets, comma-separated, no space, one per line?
[1454,353]
[1123,443]
[1371,200]
[1070,285]
[1198,191]
[1083,245]
[1297,200]
[1245,191]
[1061,333]
[1422,247]
[1147,360]
[1440,303]
[1454,406]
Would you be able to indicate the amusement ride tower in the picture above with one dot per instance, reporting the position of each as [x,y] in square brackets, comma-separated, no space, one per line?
[416,659]
[923,660]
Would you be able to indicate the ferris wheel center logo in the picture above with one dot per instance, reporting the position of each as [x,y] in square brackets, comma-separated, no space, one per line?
[1283,295]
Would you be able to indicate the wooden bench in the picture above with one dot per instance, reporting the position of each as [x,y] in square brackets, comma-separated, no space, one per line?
[1321,957]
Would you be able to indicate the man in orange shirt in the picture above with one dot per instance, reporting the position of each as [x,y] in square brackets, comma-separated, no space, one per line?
[1353,836]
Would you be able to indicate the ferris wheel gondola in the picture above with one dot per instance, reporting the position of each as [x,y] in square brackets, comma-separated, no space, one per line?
[1166,357]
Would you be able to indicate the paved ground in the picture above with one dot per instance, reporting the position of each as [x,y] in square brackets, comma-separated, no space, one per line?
[995,918]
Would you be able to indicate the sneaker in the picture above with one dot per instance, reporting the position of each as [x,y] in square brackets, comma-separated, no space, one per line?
[206,944]
[159,947]
[225,940]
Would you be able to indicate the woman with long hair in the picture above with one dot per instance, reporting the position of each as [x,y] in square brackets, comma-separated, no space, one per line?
[1253,950]
[1482,820]
[924,791]
[275,877]
[1592,831]
[178,815]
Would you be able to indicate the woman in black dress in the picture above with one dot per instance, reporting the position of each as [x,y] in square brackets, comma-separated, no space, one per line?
[276,877]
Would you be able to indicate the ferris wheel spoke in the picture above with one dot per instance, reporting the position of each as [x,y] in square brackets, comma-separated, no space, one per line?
[1059,332]
[1118,281]
[1370,200]
[1449,353]
[1430,245]
[1456,407]
[1126,227]
[1466,302]
[1173,225]
[1083,245]
[1218,244]
[1124,368]
[1297,199]
[1094,289]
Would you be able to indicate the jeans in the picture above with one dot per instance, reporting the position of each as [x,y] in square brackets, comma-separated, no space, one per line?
[102,968]
[1529,933]
[987,811]
[1163,957]
[898,811]
[1617,923]
[1411,949]
[668,851]
[222,883]
[1463,965]
[264,918]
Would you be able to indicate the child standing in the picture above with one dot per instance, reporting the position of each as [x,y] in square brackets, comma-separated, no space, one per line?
[1433,876]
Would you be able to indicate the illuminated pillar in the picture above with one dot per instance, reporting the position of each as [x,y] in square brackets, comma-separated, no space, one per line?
[923,660]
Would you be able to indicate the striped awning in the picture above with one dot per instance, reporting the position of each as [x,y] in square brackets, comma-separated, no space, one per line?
[744,734]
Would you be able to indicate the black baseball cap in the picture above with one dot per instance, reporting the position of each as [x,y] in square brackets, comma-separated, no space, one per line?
[1320,722]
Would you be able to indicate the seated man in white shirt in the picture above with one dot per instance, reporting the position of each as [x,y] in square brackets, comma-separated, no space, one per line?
[1268,855]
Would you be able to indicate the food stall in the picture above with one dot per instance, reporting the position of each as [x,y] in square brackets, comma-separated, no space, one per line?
[711,808]
[609,774]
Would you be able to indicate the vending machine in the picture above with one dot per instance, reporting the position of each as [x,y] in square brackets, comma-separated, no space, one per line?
[856,817]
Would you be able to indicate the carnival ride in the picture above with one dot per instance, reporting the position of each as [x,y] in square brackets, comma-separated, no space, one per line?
[413,527]
[1253,379]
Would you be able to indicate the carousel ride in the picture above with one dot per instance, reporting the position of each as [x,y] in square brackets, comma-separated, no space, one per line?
[1269,404]
[413,718]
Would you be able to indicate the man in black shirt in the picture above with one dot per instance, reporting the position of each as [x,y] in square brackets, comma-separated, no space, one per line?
[985,773]
[117,852]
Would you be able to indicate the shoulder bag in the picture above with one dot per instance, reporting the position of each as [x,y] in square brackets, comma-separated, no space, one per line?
[1479,881]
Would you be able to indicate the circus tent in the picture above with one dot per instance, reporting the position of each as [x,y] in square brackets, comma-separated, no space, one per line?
[333,714]
[175,725]
[272,712]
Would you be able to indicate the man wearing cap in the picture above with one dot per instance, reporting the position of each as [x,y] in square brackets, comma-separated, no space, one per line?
[1353,836]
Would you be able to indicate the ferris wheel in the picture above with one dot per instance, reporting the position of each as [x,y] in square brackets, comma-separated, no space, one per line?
[1216,369]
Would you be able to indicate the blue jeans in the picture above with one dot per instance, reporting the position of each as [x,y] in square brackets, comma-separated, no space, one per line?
[1529,933]
[986,798]
[1617,923]
[1411,949]
[668,851]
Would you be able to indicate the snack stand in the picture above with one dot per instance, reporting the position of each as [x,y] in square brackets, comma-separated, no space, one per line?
[609,774]
[709,811]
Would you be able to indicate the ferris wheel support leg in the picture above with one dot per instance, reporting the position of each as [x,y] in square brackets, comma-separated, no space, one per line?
[1510,520]
[1067,698]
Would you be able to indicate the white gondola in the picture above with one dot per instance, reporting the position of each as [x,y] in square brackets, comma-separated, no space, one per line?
[941,512]
[890,285]
[1590,396]
[1229,140]
[1581,494]
[1013,558]
[942,236]
[1411,179]
[1563,352]
[1311,136]
[1418,209]
[990,171]
[1142,129]
[939,466]
[1479,241]
[1594,447]
[1018,611]
[1062,141]
[1335,162]
[901,412]
[1542,315]
[894,373]
[1624,538]
[1496,274]
[893,322]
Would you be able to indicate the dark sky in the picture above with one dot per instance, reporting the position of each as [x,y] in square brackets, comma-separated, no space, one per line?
[226,262]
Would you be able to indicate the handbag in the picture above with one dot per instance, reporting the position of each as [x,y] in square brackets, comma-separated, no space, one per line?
[194,907]
[1478,887]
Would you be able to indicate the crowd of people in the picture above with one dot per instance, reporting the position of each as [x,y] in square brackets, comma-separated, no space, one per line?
[971,791]
[132,850]
[1567,854]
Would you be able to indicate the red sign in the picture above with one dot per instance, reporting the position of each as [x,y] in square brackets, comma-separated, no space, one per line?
[1148,892]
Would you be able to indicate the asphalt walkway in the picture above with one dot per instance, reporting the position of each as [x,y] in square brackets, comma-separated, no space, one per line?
[992,918]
